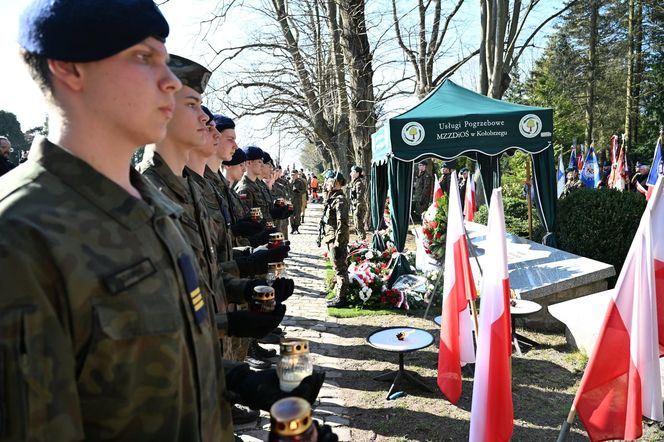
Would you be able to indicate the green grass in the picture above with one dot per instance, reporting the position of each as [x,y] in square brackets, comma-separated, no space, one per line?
[353,312]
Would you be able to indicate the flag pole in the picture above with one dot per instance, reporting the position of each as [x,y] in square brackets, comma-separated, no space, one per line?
[567,424]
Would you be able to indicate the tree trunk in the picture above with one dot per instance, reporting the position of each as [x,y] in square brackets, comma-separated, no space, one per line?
[592,68]
[634,69]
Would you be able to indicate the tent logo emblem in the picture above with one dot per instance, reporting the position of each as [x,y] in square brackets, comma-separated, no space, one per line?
[412,133]
[530,125]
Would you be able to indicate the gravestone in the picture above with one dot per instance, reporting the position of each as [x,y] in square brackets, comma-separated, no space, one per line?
[542,274]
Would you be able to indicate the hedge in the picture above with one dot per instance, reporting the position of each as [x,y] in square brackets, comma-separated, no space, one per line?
[599,224]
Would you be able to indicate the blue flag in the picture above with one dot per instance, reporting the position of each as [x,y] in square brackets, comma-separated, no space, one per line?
[561,175]
[590,172]
[572,158]
[657,167]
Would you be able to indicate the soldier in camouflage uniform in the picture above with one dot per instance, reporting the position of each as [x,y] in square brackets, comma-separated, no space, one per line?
[281,189]
[103,326]
[573,182]
[248,187]
[422,190]
[232,172]
[358,200]
[335,216]
[298,188]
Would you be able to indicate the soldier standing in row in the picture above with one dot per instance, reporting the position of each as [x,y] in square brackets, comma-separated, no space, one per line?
[281,189]
[248,187]
[358,200]
[337,232]
[422,190]
[298,188]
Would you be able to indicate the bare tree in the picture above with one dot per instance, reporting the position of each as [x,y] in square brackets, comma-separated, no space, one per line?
[422,58]
[592,71]
[503,22]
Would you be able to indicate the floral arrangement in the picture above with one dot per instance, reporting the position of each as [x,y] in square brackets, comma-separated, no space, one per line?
[368,272]
[434,229]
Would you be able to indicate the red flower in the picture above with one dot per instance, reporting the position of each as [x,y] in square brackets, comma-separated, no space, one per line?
[439,235]
[434,224]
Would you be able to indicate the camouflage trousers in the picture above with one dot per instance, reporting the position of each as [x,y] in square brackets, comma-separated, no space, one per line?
[340,266]
[359,219]
[295,219]
[234,348]
[282,226]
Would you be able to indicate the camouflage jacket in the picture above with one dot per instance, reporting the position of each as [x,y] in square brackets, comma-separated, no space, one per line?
[185,192]
[252,195]
[218,220]
[358,194]
[236,206]
[267,197]
[298,189]
[103,331]
[336,222]
[423,188]
[281,189]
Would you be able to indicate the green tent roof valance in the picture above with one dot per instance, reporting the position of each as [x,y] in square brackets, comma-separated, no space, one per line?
[452,121]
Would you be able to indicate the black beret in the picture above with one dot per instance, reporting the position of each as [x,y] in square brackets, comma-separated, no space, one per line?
[463,170]
[209,115]
[267,159]
[87,30]
[238,158]
[423,162]
[190,73]
[571,169]
[223,122]
[356,168]
[253,153]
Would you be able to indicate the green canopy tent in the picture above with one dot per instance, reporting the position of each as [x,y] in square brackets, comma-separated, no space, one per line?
[451,122]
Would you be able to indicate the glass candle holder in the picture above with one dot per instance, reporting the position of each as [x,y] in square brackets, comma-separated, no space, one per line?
[291,420]
[256,213]
[280,202]
[269,225]
[275,270]
[294,363]
[276,240]
[290,206]
[263,300]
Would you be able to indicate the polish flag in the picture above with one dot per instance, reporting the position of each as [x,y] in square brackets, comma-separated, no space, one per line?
[492,415]
[437,191]
[622,380]
[470,205]
[456,331]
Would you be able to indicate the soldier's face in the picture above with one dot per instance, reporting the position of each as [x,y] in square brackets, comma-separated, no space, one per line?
[5,148]
[234,173]
[187,129]
[227,145]
[255,167]
[210,147]
[329,184]
[421,168]
[132,92]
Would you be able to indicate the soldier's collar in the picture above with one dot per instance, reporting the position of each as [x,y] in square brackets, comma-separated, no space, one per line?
[98,189]
[175,183]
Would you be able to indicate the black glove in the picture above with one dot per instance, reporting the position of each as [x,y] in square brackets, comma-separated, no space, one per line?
[283,288]
[279,212]
[261,238]
[256,263]
[260,389]
[247,227]
[246,324]
[325,433]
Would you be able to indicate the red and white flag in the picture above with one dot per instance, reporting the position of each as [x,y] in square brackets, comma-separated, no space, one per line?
[456,332]
[469,205]
[622,380]
[437,191]
[492,415]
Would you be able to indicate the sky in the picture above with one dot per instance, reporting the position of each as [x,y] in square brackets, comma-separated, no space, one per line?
[19,95]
